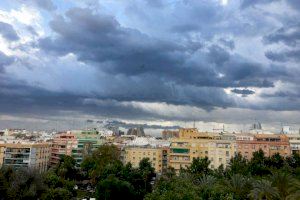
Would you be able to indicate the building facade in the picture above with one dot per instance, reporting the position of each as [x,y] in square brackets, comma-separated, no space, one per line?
[269,143]
[158,157]
[25,155]
[294,140]
[193,144]
[77,144]
[62,144]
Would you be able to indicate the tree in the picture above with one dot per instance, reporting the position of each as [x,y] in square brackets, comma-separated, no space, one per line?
[113,188]
[147,172]
[176,188]
[286,185]
[25,184]
[66,167]
[57,194]
[263,189]
[95,164]
[238,165]
[257,165]
[238,185]
[208,186]
[199,167]
[275,161]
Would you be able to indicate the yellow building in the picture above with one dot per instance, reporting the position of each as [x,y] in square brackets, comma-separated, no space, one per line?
[219,148]
[157,156]
[25,155]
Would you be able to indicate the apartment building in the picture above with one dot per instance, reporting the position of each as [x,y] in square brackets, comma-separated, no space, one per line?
[62,144]
[25,155]
[219,148]
[158,156]
[86,143]
[269,143]
[294,140]
[76,144]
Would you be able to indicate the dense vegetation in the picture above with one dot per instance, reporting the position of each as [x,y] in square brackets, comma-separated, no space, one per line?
[102,175]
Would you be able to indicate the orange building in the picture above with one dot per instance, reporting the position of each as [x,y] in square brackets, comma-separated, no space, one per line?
[269,143]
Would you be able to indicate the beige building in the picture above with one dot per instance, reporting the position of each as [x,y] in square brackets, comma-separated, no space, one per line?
[294,140]
[27,155]
[219,148]
[157,156]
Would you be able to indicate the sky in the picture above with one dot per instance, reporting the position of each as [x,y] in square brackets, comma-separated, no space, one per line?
[165,62]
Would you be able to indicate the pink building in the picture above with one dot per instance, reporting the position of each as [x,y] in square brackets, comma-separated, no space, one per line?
[62,144]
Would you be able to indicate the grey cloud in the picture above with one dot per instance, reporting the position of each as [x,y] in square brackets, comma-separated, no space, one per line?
[118,50]
[8,32]
[249,3]
[155,3]
[43,4]
[145,68]
[228,43]
[243,92]
[289,35]
[284,56]
[294,4]
[5,60]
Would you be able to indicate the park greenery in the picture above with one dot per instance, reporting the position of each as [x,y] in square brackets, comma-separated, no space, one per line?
[103,176]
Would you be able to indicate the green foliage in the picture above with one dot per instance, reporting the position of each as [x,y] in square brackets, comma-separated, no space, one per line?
[258,164]
[263,189]
[113,188]
[57,194]
[238,165]
[176,188]
[21,184]
[97,163]
[199,167]
[66,167]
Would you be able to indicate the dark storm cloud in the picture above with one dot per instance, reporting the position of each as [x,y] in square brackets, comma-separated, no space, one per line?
[284,56]
[249,3]
[118,50]
[191,68]
[8,32]
[243,92]
[288,35]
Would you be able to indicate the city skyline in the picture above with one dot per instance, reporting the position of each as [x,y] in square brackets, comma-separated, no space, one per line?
[158,62]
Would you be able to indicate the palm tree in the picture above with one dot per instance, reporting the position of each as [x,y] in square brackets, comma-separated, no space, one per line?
[207,184]
[288,187]
[238,185]
[263,190]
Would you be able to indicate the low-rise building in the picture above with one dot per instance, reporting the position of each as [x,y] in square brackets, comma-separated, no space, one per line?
[25,155]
